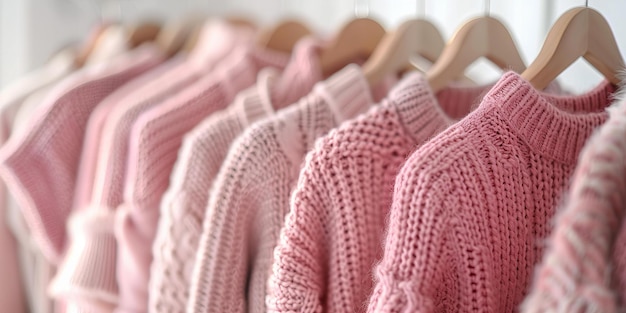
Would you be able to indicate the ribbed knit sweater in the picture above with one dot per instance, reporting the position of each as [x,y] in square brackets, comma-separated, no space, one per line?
[154,143]
[250,196]
[333,233]
[584,267]
[88,274]
[16,290]
[202,152]
[135,91]
[471,206]
[39,165]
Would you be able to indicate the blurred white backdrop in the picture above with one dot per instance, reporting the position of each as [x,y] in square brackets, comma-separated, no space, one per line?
[31,30]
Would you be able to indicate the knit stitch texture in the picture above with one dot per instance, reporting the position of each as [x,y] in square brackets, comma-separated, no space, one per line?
[583,269]
[202,152]
[250,196]
[471,206]
[39,166]
[154,143]
[333,232]
[88,274]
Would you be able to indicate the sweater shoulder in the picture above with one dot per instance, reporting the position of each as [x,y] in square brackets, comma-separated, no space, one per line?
[376,132]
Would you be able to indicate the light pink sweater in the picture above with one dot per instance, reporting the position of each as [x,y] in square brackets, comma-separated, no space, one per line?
[125,97]
[250,196]
[40,165]
[154,143]
[202,152]
[16,249]
[584,267]
[88,273]
[471,205]
[333,232]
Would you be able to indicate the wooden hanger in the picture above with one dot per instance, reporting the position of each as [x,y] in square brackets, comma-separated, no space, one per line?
[580,32]
[241,21]
[143,32]
[480,37]
[357,39]
[413,37]
[91,43]
[175,34]
[283,37]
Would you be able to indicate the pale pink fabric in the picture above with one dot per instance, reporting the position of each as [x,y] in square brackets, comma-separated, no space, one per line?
[87,274]
[250,196]
[202,152]
[154,143]
[333,232]
[40,165]
[584,267]
[471,206]
[124,98]
[16,294]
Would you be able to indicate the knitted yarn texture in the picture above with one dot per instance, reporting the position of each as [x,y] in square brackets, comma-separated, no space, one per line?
[471,206]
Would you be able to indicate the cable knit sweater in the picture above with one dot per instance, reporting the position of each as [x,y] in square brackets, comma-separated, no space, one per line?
[250,196]
[88,273]
[39,165]
[154,143]
[202,152]
[471,206]
[584,267]
[332,235]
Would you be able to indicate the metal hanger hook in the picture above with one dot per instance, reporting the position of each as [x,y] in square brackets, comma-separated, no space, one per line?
[487,7]
[421,8]
[361,13]
[587,3]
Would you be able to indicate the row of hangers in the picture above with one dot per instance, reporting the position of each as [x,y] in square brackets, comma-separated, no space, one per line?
[579,32]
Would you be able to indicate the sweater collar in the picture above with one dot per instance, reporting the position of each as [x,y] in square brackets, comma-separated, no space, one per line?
[551,125]
[275,91]
[347,93]
[424,114]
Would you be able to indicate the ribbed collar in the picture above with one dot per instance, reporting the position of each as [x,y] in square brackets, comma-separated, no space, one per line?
[424,114]
[553,126]
[347,93]
[243,65]
[274,92]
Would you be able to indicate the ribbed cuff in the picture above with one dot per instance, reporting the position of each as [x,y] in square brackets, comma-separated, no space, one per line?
[88,272]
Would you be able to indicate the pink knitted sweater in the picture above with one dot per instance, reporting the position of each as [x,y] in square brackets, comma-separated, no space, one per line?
[154,143]
[202,152]
[471,206]
[88,273]
[40,165]
[332,234]
[250,196]
[16,290]
[123,97]
[584,267]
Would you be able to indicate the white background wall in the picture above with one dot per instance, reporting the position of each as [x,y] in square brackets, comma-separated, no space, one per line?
[30,30]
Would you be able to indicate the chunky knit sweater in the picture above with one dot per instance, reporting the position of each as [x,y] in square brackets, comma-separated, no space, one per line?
[584,267]
[154,143]
[333,233]
[39,165]
[250,196]
[471,207]
[202,152]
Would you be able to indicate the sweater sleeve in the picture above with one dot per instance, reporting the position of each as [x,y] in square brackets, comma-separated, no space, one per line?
[297,281]
[416,264]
